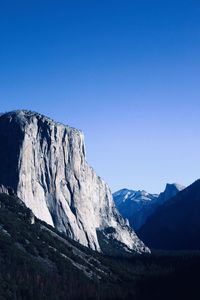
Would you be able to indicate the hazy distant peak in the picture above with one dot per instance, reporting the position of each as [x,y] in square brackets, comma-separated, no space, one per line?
[178,186]
[137,206]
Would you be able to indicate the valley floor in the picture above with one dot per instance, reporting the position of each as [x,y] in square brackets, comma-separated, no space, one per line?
[160,276]
[38,263]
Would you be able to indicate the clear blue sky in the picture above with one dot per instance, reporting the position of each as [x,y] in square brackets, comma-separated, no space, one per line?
[125,72]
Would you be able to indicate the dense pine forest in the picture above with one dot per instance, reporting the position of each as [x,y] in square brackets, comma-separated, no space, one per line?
[37,262]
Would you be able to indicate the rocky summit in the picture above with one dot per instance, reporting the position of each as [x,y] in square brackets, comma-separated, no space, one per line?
[175,225]
[44,164]
[138,206]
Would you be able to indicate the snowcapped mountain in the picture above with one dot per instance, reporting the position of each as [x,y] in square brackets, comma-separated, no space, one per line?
[137,206]
[44,163]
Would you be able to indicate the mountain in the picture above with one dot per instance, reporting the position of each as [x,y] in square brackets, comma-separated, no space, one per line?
[44,164]
[39,262]
[170,191]
[137,206]
[175,225]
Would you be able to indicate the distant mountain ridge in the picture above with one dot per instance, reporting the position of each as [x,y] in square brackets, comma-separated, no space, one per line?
[176,224]
[137,206]
[170,191]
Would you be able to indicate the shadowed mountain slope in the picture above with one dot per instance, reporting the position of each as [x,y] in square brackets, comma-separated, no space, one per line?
[176,224]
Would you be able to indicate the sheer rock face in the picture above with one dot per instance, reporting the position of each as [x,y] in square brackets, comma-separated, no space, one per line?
[44,162]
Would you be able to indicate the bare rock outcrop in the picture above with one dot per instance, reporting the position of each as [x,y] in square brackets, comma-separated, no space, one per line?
[44,163]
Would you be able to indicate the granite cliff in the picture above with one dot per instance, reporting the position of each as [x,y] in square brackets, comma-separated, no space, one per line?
[44,163]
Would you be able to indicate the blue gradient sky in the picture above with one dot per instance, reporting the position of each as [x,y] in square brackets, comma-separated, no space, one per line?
[125,72]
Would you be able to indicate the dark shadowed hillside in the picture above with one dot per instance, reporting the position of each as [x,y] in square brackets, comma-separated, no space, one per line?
[175,225]
[37,262]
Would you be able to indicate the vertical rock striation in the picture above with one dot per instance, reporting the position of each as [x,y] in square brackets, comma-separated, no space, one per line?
[44,163]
